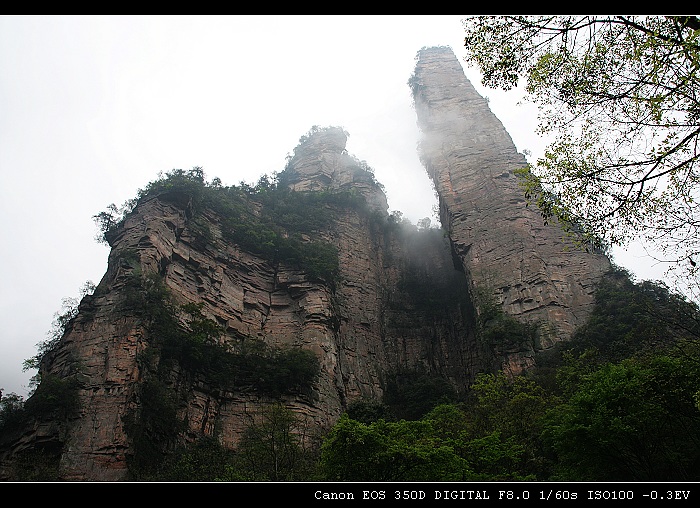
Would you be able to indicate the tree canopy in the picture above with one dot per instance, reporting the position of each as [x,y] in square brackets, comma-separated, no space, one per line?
[619,96]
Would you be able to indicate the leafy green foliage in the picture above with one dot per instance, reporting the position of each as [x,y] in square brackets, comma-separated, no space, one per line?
[507,405]
[631,319]
[410,394]
[204,460]
[12,414]
[272,448]
[443,445]
[109,220]
[631,421]
[367,411]
[490,453]
[613,418]
[626,405]
[509,413]
[629,388]
[269,370]
[618,97]
[183,335]
[498,331]
[553,208]
[187,342]
[59,326]
[624,408]
[153,427]
[268,219]
[54,399]
[504,331]
[40,464]
[389,451]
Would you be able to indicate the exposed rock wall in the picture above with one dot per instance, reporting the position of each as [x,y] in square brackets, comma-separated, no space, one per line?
[404,300]
[505,248]
[363,328]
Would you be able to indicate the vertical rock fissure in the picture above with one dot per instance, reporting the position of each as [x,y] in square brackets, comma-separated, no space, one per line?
[393,308]
[500,242]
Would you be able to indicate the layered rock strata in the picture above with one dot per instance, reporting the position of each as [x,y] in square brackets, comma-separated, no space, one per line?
[363,327]
[402,301]
[508,253]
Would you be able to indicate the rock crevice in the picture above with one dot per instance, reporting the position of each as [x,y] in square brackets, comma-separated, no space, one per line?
[402,300]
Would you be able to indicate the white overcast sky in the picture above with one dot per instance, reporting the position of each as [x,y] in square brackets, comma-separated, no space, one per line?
[92,108]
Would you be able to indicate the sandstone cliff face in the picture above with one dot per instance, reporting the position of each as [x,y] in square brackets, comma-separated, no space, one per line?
[403,300]
[363,328]
[504,247]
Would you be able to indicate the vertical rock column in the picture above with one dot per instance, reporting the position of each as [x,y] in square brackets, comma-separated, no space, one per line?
[321,163]
[507,252]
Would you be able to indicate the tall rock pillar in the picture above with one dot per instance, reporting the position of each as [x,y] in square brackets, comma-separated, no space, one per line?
[507,252]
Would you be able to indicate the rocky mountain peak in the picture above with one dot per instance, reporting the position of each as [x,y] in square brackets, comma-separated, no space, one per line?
[219,301]
[321,163]
[510,255]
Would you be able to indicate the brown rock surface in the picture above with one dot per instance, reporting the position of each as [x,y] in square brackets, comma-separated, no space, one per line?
[358,327]
[505,248]
[402,301]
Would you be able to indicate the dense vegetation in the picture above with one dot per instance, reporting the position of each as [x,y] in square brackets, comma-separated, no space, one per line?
[605,413]
[268,219]
[618,102]
[184,346]
[619,403]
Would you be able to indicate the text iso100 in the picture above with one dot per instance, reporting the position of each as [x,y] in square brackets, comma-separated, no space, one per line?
[681,495]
